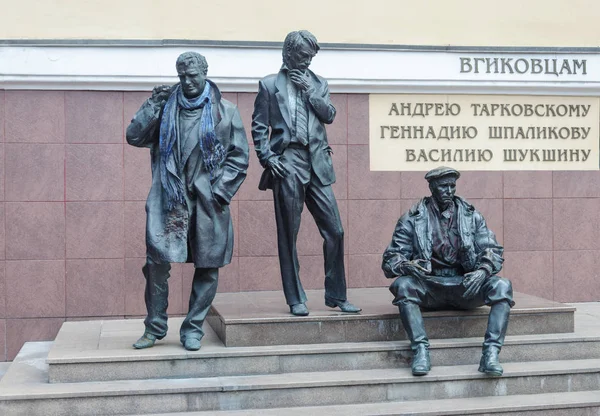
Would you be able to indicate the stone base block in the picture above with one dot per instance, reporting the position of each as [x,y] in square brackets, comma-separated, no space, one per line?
[263,318]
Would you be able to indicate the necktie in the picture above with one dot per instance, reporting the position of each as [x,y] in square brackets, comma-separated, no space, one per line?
[301,119]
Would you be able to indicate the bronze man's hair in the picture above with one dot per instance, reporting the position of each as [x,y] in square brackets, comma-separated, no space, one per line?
[192,59]
[296,40]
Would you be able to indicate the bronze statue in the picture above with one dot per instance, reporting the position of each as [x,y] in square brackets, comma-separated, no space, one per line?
[442,255]
[199,158]
[294,105]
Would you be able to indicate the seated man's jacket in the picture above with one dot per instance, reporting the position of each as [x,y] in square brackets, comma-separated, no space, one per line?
[412,240]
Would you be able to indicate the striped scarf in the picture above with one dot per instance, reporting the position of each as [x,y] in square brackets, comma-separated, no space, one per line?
[213,152]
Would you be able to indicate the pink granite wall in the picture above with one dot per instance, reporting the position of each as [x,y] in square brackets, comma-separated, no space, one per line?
[72,196]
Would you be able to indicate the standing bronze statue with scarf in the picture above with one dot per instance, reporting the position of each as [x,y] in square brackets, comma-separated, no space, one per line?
[199,158]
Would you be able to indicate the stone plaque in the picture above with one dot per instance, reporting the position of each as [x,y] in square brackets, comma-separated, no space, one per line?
[483,132]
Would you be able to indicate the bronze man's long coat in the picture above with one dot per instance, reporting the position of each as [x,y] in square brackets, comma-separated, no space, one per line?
[209,241]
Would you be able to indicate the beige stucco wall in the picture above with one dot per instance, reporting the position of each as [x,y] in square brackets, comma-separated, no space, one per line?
[427,22]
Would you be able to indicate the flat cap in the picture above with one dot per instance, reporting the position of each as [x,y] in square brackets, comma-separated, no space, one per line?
[441,172]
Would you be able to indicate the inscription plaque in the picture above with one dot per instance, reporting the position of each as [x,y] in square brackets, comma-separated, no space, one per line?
[483,132]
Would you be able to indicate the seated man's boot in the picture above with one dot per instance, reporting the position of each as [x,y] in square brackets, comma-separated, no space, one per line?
[420,363]
[494,339]
[410,315]
[146,341]
[489,363]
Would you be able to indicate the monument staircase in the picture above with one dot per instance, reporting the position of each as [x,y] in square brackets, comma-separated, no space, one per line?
[257,359]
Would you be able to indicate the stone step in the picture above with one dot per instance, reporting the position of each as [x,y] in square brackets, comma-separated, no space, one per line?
[262,318]
[24,389]
[3,367]
[101,351]
[548,404]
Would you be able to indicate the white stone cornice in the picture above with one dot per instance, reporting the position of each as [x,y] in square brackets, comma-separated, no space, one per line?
[139,68]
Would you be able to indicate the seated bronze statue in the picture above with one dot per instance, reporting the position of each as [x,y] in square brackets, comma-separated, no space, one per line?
[443,256]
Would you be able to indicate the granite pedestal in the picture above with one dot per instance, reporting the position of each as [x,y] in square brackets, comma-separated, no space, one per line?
[262,318]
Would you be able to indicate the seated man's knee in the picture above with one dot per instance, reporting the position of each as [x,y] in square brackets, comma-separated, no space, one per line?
[504,286]
[403,287]
[500,289]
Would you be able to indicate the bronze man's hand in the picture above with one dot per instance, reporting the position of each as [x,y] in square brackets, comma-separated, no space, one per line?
[301,80]
[473,282]
[414,269]
[277,168]
[160,94]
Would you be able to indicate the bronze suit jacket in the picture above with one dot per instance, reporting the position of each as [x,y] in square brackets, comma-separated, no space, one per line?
[271,110]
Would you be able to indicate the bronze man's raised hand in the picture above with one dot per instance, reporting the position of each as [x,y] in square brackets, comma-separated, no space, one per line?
[301,80]
[160,94]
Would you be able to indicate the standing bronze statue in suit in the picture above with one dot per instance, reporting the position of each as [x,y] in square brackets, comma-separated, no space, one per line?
[295,105]
[199,156]
[443,255]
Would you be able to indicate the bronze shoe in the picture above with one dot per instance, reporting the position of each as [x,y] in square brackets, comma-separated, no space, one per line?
[344,306]
[299,309]
[191,344]
[146,341]
[421,363]
[489,363]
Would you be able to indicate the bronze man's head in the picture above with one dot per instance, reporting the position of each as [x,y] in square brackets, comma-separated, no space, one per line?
[299,48]
[442,184]
[191,70]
